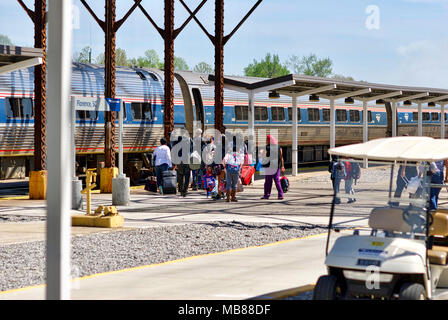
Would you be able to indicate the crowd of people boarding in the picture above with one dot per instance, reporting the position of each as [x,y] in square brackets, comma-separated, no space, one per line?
[219,165]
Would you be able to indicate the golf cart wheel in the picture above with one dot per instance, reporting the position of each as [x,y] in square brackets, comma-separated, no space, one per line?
[412,291]
[327,288]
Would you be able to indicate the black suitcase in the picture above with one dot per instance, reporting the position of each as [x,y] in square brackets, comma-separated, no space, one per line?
[169,182]
[151,184]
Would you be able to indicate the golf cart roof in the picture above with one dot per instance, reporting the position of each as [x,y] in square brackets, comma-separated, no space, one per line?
[396,148]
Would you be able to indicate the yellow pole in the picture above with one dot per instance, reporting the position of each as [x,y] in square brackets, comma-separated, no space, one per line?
[90,177]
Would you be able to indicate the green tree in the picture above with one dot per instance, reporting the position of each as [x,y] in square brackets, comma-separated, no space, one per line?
[120,58]
[341,77]
[203,67]
[269,67]
[311,65]
[149,60]
[85,56]
[4,39]
[180,64]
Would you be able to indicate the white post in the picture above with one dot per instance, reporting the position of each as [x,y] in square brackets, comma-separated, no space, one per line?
[394,119]
[76,183]
[420,120]
[332,124]
[59,153]
[365,118]
[294,136]
[365,127]
[251,122]
[120,155]
[442,121]
[121,185]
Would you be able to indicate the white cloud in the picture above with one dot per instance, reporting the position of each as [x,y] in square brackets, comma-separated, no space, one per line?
[423,63]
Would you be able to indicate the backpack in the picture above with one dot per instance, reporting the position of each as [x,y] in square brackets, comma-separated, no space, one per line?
[233,165]
[339,170]
[356,171]
[284,183]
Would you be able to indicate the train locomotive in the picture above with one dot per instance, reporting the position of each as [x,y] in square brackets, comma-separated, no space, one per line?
[142,90]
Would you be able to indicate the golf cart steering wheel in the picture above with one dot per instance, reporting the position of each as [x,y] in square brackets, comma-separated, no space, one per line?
[416,220]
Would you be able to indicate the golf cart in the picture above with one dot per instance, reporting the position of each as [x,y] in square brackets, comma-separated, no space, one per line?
[402,253]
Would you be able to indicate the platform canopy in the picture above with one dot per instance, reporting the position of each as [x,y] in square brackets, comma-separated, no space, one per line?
[16,58]
[396,148]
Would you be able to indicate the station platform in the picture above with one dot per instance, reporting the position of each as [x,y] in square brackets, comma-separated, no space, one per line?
[243,273]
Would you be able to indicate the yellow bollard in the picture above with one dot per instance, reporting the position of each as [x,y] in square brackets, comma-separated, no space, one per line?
[90,177]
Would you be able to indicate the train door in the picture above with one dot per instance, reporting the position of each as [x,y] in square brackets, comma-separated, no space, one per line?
[199,107]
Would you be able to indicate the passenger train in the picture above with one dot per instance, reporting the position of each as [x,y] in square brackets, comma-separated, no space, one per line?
[142,90]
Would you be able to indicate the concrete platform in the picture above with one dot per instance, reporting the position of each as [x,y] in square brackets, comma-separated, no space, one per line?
[235,274]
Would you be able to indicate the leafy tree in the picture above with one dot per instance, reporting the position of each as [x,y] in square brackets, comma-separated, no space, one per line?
[341,77]
[269,67]
[120,58]
[149,60]
[180,64]
[203,67]
[4,39]
[311,65]
[85,56]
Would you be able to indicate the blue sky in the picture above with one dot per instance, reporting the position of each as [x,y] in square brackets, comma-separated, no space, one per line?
[409,48]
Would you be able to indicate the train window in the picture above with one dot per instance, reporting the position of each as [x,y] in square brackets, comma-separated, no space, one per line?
[341,115]
[241,113]
[434,116]
[84,114]
[369,116]
[141,110]
[313,114]
[326,114]
[426,116]
[19,108]
[415,116]
[299,116]
[261,113]
[278,113]
[355,116]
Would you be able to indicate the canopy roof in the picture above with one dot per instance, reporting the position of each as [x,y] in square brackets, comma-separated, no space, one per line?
[397,148]
[15,58]
[331,88]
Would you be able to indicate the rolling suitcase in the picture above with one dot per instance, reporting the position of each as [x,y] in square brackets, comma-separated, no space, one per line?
[151,184]
[169,182]
[246,174]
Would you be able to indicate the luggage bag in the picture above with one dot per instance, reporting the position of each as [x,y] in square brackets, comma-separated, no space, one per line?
[246,174]
[169,182]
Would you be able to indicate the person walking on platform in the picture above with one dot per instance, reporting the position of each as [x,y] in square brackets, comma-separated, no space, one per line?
[406,171]
[337,169]
[273,168]
[437,177]
[162,161]
[182,163]
[233,163]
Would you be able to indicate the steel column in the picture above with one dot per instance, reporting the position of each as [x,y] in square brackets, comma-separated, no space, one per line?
[394,119]
[365,117]
[40,41]
[109,83]
[219,64]
[168,115]
[420,121]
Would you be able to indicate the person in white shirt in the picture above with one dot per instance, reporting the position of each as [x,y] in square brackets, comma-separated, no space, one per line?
[162,162]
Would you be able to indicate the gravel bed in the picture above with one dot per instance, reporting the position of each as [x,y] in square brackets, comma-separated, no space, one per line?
[24,264]
[5,218]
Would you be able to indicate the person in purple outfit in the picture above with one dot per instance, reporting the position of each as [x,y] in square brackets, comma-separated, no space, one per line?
[273,168]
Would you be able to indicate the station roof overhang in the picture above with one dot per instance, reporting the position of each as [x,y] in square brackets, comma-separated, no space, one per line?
[329,88]
[15,58]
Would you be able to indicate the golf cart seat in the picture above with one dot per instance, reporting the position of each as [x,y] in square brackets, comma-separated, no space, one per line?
[440,225]
[388,219]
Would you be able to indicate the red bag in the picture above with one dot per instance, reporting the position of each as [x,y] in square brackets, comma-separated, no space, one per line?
[246,174]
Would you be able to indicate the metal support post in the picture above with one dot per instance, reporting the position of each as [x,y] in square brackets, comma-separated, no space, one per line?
[59,154]
[332,124]
[420,120]
[76,183]
[394,119]
[121,185]
[442,121]
[294,136]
